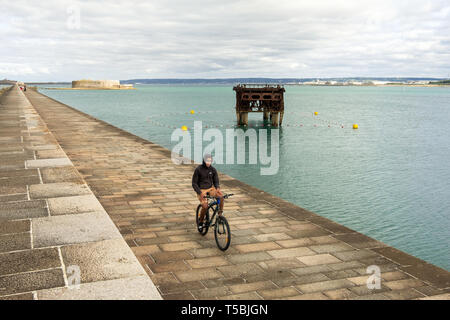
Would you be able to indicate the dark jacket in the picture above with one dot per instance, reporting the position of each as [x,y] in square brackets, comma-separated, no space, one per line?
[204,178]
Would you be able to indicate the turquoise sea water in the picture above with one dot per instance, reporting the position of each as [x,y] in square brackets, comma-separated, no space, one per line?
[390,179]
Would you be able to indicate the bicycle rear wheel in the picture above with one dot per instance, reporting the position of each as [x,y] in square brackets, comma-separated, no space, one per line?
[205,228]
[222,233]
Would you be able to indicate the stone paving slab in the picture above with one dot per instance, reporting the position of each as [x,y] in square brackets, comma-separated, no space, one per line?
[20,296]
[18,181]
[58,189]
[73,205]
[117,289]
[444,296]
[61,174]
[102,260]
[278,250]
[24,213]
[44,163]
[31,281]
[29,260]
[23,209]
[15,226]
[18,173]
[13,242]
[51,223]
[71,229]
[14,197]
[53,154]
[42,147]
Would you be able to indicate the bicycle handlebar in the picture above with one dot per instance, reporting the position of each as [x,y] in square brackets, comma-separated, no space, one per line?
[226,196]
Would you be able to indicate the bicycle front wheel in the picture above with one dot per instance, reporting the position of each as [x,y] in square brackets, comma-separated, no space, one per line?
[222,233]
[203,231]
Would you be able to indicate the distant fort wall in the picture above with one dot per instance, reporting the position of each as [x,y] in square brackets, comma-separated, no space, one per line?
[98,84]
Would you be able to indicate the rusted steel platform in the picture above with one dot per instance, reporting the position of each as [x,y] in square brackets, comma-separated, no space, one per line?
[268,99]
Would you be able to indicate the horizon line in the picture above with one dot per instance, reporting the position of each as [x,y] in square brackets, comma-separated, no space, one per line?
[260,78]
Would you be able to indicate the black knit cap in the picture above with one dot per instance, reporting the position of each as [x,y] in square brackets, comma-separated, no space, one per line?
[207,156]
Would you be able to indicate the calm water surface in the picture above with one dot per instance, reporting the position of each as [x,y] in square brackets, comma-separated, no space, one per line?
[390,179]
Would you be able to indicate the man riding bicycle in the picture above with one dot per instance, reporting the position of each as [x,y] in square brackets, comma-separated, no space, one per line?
[205,180]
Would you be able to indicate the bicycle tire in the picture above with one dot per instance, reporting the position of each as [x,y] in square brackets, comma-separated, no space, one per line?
[206,218]
[221,221]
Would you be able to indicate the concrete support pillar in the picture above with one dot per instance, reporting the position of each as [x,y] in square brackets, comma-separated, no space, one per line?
[266,115]
[238,118]
[274,118]
[281,117]
[244,118]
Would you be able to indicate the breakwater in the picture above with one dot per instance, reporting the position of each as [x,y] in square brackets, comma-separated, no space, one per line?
[278,249]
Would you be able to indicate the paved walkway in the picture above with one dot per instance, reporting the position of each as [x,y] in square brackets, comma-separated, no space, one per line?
[278,250]
[52,228]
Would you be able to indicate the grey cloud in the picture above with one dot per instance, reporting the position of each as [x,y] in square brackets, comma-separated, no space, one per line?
[161,39]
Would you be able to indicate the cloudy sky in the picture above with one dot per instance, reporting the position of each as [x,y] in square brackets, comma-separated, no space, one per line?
[64,40]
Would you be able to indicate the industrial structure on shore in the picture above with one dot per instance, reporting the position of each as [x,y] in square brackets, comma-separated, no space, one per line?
[100,84]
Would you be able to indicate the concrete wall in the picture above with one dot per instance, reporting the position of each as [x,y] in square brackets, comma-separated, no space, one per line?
[96,84]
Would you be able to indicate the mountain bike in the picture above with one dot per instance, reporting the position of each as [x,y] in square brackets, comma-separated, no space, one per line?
[222,232]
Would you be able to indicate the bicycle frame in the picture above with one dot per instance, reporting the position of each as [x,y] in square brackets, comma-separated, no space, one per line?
[215,203]
[212,204]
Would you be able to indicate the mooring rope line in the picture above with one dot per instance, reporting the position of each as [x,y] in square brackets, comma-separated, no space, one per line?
[325,122]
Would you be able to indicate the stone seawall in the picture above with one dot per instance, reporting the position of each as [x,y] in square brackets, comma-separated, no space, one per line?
[278,250]
[56,239]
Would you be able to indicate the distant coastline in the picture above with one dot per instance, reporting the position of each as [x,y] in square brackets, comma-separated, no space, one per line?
[346,81]
[375,85]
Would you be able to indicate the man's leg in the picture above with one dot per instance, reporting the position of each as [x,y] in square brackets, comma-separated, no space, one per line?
[203,213]
[204,204]
[222,200]
[218,194]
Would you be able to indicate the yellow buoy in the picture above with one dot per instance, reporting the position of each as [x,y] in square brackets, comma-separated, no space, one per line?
[316,113]
[184,128]
[192,111]
[355,126]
